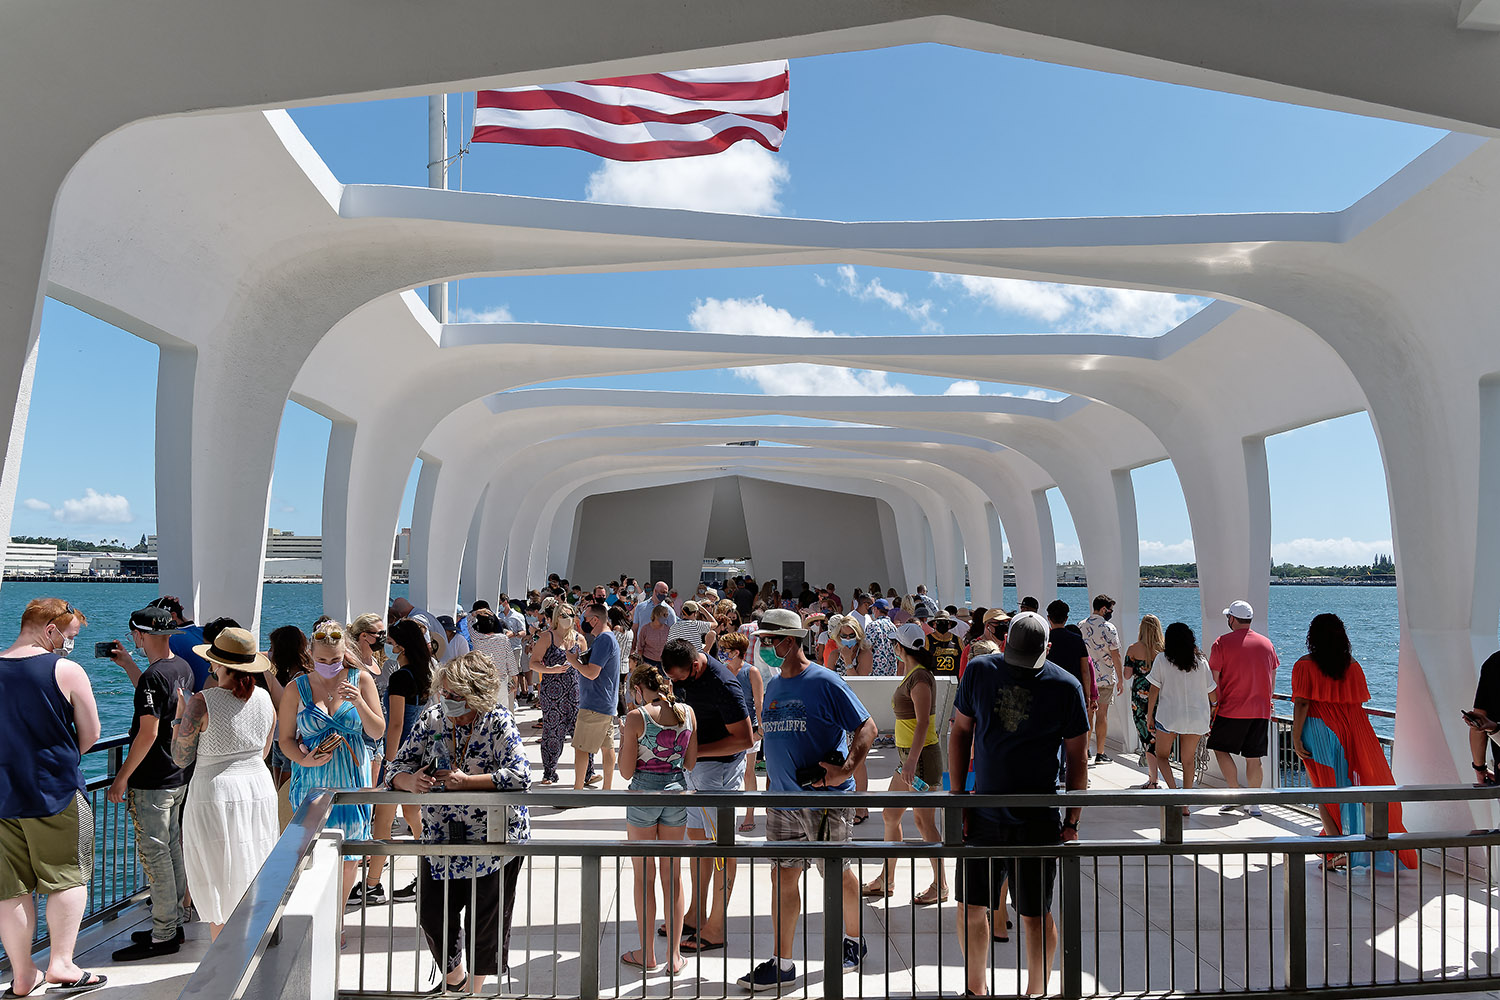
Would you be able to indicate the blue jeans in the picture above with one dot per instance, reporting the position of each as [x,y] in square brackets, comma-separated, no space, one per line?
[714,776]
[156,814]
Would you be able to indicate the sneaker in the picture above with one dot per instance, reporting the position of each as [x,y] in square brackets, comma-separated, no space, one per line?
[151,949]
[1253,810]
[768,975]
[375,894]
[406,893]
[1228,809]
[1101,758]
[144,937]
[854,953]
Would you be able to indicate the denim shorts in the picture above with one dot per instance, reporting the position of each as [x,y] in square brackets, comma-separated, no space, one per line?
[714,776]
[657,815]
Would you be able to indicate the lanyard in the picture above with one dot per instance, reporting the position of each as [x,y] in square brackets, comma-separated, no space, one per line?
[460,756]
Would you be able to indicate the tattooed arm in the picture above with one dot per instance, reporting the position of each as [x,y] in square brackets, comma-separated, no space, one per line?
[190,724]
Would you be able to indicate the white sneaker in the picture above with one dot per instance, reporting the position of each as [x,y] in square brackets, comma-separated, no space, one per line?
[1228,809]
[1253,810]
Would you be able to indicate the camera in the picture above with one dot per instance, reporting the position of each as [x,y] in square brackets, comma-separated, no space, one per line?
[814,777]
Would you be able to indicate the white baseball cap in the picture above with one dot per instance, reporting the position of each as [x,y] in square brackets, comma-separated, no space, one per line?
[1239,609]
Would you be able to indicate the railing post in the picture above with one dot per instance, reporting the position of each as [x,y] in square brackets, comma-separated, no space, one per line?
[953,826]
[724,820]
[1071,931]
[1294,922]
[1171,824]
[588,928]
[833,928]
[1377,820]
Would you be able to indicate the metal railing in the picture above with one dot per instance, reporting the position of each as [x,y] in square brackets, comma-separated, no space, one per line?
[1207,916]
[1287,769]
[116,878]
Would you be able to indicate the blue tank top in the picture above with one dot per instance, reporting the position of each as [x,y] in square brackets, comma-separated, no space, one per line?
[747,695]
[39,758]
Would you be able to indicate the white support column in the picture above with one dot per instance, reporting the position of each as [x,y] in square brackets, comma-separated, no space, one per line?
[423,594]
[1128,594]
[376,484]
[996,545]
[174,460]
[468,574]
[1046,585]
[336,521]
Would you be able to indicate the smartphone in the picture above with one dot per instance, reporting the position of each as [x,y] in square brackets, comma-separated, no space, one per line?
[1473,720]
[104,650]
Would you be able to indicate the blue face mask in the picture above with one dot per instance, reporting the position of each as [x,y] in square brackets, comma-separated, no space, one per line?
[848,643]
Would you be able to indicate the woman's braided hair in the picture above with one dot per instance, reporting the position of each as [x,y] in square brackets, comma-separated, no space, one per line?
[650,677]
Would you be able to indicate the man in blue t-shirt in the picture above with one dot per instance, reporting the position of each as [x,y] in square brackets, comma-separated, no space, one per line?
[598,698]
[815,733]
[1015,713]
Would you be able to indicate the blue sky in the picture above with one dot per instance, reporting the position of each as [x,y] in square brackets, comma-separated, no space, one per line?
[908,133]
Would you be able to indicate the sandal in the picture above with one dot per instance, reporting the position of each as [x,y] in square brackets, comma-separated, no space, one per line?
[38,987]
[876,891]
[932,894]
[696,945]
[858,819]
[1148,784]
[85,983]
[633,959]
[747,825]
[1335,862]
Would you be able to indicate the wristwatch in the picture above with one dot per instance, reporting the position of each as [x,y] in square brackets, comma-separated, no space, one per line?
[1070,826]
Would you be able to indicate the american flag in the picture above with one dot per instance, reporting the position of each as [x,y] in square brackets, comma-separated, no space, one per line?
[653,116]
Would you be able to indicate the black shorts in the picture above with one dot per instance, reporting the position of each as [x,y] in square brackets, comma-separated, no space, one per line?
[979,881]
[1241,737]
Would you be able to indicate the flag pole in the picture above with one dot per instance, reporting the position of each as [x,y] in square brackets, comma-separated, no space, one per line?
[437,177]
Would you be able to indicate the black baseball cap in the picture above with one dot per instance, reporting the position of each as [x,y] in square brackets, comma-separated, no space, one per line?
[153,620]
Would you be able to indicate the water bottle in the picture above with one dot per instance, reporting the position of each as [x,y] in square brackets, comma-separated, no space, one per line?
[918,785]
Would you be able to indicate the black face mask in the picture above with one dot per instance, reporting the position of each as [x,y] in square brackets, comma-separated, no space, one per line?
[588,627]
[1107,614]
[941,629]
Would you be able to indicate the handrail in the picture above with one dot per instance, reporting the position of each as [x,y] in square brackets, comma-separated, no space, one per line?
[1358,794]
[1377,712]
[235,956]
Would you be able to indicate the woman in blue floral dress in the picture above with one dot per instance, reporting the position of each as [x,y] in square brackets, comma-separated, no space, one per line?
[323,719]
[471,744]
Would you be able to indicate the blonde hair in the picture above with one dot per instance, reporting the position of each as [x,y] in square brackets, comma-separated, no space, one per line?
[1151,636]
[368,623]
[557,613]
[850,621]
[650,677]
[909,604]
[472,676]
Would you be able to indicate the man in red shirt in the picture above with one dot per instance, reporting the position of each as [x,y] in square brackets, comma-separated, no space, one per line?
[1244,666]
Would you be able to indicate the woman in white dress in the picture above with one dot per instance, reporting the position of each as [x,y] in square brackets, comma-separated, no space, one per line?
[229,823]
[1181,704]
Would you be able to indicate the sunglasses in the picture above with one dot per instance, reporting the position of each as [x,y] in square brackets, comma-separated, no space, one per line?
[327,634]
[68,611]
[375,637]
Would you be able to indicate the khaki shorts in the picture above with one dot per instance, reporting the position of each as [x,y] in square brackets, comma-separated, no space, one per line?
[49,853]
[1106,695]
[809,825]
[929,764]
[593,731]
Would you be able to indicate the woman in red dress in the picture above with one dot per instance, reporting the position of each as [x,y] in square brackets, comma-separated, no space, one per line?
[1332,735]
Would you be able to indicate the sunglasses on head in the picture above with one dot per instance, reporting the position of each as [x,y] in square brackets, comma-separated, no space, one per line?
[68,611]
[328,634]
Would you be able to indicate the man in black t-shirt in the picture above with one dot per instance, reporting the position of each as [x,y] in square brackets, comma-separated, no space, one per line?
[156,786]
[1487,714]
[724,735]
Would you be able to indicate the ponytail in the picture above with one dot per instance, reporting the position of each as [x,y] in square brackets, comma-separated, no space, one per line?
[650,677]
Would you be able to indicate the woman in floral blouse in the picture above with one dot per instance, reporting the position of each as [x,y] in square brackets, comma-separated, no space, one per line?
[470,744]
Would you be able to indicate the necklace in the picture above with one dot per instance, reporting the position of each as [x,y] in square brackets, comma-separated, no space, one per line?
[329,700]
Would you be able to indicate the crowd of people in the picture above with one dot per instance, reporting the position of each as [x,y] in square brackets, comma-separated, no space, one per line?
[702,690]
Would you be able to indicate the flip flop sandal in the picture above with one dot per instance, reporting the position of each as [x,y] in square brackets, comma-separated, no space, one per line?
[633,959]
[86,983]
[691,942]
[40,987]
[747,825]
[688,930]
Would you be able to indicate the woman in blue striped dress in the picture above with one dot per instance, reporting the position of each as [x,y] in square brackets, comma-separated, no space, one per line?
[333,708]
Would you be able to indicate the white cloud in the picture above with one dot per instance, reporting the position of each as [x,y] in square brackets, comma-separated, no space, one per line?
[822,281]
[745,178]
[1068,552]
[965,387]
[95,508]
[1162,553]
[32,503]
[1329,551]
[874,291]
[1078,308]
[755,317]
[495,314]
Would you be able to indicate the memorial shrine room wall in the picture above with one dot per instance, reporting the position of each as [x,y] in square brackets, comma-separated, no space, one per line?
[624,532]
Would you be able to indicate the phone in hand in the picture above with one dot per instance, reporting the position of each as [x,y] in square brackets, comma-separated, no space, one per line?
[1476,721]
[104,650]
